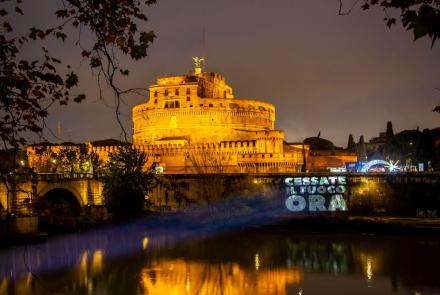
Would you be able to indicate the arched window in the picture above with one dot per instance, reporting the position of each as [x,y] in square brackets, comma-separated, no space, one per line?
[166,92]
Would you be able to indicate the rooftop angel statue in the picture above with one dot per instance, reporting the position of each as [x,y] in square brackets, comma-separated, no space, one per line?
[198,61]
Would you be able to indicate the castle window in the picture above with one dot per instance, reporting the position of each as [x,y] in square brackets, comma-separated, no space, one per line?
[188,98]
[176,92]
[210,105]
[188,91]
[155,93]
[166,92]
[201,104]
[190,105]
[155,101]
[224,94]
[172,104]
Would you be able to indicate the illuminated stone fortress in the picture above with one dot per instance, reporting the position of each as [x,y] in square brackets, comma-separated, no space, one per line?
[193,124]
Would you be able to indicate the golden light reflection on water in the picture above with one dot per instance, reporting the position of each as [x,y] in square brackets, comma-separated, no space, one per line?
[175,277]
[369,269]
[257,261]
[145,243]
[82,268]
[370,264]
[96,266]
[4,285]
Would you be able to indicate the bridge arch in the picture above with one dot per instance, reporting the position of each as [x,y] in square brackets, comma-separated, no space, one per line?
[63,191]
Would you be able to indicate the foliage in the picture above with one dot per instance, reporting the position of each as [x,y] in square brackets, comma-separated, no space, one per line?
[351,145]
[126,182]
[8,161]
[392,147]
[422,17]
[317,143]
[419,147]
[361,149]
[68,159]
[28,87]
[205,162]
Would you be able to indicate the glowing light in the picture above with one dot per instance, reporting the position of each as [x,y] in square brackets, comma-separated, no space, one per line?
[187,284]
[83,261]
[145,243]
[97,261]
[22,162]
[4,285]
[392,167]
[257,261]
[300,292]
[235,269]
[82,267]
[29,279]
[369,269]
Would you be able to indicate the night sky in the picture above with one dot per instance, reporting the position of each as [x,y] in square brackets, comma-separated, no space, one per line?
[324,72]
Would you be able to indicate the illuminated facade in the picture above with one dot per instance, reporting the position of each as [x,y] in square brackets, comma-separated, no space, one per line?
[193,124]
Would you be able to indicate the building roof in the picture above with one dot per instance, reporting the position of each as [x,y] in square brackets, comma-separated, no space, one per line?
[109,142]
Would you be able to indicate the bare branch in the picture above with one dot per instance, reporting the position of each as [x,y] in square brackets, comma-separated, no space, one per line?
[347,12]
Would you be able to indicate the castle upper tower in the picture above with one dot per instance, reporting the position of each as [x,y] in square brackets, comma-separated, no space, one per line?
[198,107]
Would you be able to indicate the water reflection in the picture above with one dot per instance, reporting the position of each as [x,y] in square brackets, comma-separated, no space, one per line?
[187,277]
[246,263]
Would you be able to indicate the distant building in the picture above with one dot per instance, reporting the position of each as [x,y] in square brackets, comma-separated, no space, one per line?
[330,160]
[376,144]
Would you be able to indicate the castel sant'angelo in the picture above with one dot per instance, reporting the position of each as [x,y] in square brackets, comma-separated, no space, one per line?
[193,124]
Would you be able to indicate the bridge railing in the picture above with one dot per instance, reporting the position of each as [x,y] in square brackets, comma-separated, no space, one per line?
[65,176]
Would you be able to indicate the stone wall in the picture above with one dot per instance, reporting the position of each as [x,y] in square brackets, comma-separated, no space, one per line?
[412,195]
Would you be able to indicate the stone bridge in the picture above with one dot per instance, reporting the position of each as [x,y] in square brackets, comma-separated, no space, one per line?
[79,190]
[83,191]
